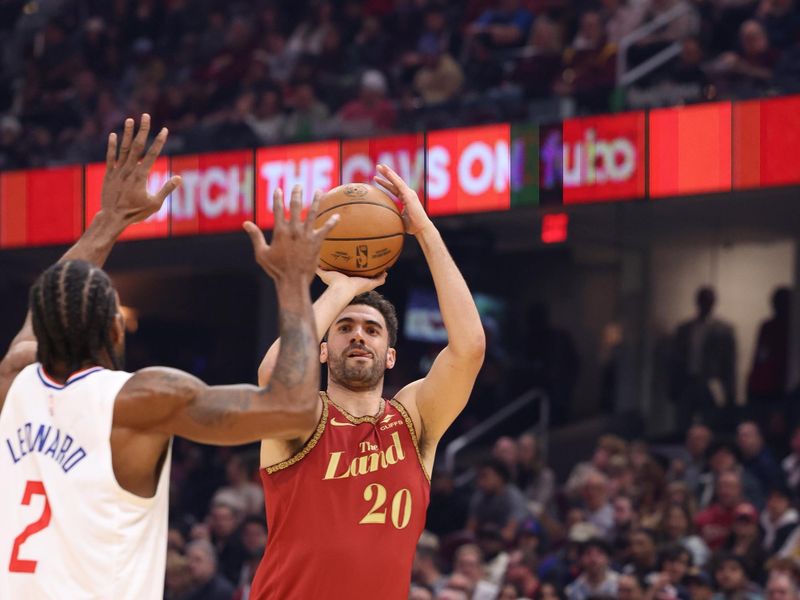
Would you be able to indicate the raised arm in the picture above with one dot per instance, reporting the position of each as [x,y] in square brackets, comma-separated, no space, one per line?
[340,291]
[124,201]
[169,402]
[442,394]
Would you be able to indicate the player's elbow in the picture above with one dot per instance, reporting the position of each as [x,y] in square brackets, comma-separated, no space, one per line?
[472,347]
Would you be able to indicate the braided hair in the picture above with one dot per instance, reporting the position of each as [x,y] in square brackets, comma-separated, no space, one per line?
[73,306]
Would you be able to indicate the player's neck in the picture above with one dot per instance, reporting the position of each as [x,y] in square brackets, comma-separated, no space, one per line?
[358,403]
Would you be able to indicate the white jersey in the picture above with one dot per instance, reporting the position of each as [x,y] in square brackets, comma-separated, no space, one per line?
[67,528]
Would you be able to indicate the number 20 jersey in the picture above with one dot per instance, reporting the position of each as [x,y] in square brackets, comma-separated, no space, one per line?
[345,513]
[67,528]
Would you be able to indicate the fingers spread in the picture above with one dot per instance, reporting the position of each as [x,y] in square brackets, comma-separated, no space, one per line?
[127,139]
[277,206]
[168,188]
[256,236]
[111,151]
[296,204]
[138,144]
[387,185]
[313,209]
[155,150]
[323,231]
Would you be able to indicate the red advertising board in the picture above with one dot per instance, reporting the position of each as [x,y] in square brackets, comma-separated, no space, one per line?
[469,170]
[604,158]
[403,153]
[314,166]
[216,194]
[690,150]
[41,206]
[157,225]
[766,142]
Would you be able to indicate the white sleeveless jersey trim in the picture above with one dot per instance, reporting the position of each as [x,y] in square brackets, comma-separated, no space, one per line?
[101,540]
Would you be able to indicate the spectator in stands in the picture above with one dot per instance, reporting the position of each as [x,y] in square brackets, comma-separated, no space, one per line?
[539,61]
[504,26]
[308,35]
[254,540]
[589,65]
[781,21]
[596,576]
[625,519]
[756,458]
[522,573]
[675,563]
[371,47]
[448,508]
[782,587]
[224,520]
[608,446]
[506,450]
[722,458]
[268,120]
[778,519]
[732,580]
[308,118]
[439,78]
[715,522]
[694,457]
[371,113]
[468,563]
[418,592]
[745,541]
[629,588]
[534,477]
[703,363]
[207,583]
[496,501]
[241,489]
[493,547]
[425,569]
[791,464]
[548,591]
[677,528]
[699,584]
[750,68]
[643,554]
[621,17]
[594,495]
[766,385]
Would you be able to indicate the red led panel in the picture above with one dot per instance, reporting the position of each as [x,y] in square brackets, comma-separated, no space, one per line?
[403,153]
[216,194]
[314,166]
[469,170]
[766,140]
[690,150]
[157,225]
[604,158]
[41,206]
[555,228]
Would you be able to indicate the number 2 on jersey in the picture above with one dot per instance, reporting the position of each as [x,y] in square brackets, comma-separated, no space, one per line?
[400,509]
[17,564]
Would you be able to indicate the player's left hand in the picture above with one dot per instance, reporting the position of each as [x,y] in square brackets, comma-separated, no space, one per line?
[414,217]
[356,285]
[124,192]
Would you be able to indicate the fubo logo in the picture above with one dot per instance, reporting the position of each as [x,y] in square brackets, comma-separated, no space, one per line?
[595,160]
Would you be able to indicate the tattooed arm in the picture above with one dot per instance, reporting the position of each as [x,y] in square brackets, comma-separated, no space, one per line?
[165,401]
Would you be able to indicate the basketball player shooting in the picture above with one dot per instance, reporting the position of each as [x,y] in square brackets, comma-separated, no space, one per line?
[346,500]
[86,446]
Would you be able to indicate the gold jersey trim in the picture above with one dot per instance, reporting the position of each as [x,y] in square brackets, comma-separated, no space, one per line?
[309,445]
[358,420]
[410,425]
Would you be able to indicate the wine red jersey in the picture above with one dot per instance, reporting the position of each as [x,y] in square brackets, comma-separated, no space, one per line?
[345,513]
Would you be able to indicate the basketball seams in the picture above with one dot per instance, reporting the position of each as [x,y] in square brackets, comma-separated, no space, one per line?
[392,209]
[359,238]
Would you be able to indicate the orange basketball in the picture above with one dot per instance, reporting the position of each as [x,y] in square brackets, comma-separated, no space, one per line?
[369,236]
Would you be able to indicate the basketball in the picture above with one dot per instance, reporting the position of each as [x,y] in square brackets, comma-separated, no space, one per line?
[369,236]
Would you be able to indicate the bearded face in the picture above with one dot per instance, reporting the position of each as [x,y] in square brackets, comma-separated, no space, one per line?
[357,349]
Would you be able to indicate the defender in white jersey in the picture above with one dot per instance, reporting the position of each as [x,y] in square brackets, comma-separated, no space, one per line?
[85,446]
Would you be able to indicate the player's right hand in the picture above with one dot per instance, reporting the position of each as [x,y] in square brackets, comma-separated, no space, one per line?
[356,285]
[124,192]
[294,249]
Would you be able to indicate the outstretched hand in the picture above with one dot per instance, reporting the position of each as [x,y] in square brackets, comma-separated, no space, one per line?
[125,184]
[415,219]
[295,245]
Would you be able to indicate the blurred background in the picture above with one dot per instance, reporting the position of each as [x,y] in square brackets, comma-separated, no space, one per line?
[618,182]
